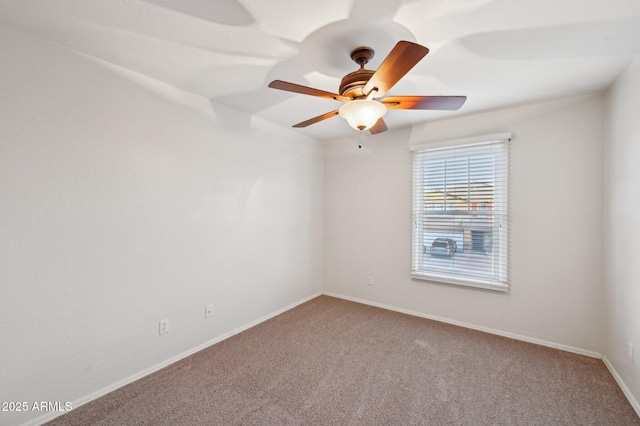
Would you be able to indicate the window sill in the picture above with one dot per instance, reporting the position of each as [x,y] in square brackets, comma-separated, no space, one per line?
[467,282]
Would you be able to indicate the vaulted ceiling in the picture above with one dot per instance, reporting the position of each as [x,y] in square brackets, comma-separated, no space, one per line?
[496,52]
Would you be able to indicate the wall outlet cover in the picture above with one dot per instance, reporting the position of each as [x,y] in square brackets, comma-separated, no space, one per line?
[164,326]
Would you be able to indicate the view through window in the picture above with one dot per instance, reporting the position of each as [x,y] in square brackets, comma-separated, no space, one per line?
[460,214]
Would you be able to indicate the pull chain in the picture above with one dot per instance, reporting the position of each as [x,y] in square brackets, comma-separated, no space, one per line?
[360,139]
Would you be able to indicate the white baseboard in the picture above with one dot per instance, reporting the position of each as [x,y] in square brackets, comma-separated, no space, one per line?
[95,395]
[471,326]
[625,389]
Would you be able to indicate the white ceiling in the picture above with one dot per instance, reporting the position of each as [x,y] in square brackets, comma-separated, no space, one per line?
[497,52]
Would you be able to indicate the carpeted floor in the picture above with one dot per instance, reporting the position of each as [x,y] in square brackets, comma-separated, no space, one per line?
[334,362]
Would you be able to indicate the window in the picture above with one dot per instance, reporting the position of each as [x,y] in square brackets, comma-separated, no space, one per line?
[460,212]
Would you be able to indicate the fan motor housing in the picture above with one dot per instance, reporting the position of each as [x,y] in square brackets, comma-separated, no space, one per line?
[353,83]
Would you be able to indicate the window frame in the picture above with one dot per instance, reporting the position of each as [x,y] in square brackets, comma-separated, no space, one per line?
[420,209]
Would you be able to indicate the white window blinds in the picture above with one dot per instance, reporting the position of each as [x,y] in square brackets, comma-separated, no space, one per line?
[460,214]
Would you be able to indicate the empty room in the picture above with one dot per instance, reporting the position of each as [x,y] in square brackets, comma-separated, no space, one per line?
[362,212]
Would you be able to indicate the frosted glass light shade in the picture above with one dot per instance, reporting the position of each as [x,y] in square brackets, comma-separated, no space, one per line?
[362,114]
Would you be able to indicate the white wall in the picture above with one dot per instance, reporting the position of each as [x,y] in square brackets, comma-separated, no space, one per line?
[556,224]
[622,230]
[123,202]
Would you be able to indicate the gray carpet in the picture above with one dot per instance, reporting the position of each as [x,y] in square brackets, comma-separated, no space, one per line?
[334,362]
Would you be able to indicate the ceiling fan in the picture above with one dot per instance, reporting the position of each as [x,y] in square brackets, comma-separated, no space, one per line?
[362,91]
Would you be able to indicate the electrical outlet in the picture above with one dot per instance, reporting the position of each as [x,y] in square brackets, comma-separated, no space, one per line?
[369,280]
[208,311]
[630,352]
[164,326]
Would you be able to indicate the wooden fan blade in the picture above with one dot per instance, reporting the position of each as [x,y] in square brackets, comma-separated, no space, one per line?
[448,103]
[316,119]
[379,127]
[404,56]
[296,88]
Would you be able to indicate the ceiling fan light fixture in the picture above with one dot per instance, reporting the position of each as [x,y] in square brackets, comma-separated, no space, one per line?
[361,114]
[359,89]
